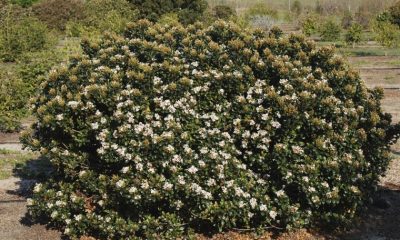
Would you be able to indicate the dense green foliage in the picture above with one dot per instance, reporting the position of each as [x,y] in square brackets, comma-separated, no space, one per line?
[20,33]
[330,30]
[394,12]
[57,13]
[386,33]
[12,95]
[102,15]
[24,3]
[20,82]
[260,10]
[309,24]
[188,11]
[223,12]
[297,7]
[354,34]
[347,20]
[168,130]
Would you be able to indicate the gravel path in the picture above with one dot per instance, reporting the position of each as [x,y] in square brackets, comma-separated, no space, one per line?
[12,213]
[11,146]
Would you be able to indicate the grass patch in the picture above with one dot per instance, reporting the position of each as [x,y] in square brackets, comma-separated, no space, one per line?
[10,159]
[23,164]
[362,52]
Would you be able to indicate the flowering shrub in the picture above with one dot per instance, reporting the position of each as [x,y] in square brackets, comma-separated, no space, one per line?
[168,130]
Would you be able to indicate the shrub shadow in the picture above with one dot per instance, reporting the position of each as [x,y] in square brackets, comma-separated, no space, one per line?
[382,218]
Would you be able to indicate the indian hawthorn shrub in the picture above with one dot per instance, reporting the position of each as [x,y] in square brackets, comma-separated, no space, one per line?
[169,130]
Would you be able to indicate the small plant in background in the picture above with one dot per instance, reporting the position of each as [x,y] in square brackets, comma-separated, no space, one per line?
[309,24]
[24,3]
[169,19]
[386,34]
[101,16]
[57,13]
[354,34]
[394,12]
[188,11]
[260,9]
[20,33]
[297,8]
[13,100]
[260,16]
[223,12]
[318,8]
[363,17]
[330,30]
[263,22]
[347,20]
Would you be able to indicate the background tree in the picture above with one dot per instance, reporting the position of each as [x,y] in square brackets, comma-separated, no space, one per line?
[330,31]
[363,17]
[347,20]
[223,12]
[386,34]
[354,34]
[188,11]
[297,7]
[395,13]
[57,13]
[309,24]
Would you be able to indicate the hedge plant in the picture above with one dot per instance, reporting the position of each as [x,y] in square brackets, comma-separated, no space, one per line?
[168,131]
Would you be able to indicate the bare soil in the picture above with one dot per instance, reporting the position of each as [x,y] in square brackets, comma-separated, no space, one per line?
[13,222]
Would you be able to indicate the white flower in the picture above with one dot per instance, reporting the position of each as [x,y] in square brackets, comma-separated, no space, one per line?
[120,183]
[275,124]
[95,126]
[167,186]
[59,117]
[263,207]
[195,64]
[132,190]
[125,169]
[273,214]
[181,180]
[82,173]
[297,150]
[101,203]
[37,187]
[67,230]
[145,185]
[54,214]
[211,182]
[264,116]
[73,104]
[253,202]
[178,204]
[30,201]
[139,167]
[283,81]
[192,170]
[280,193]
[78,217]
